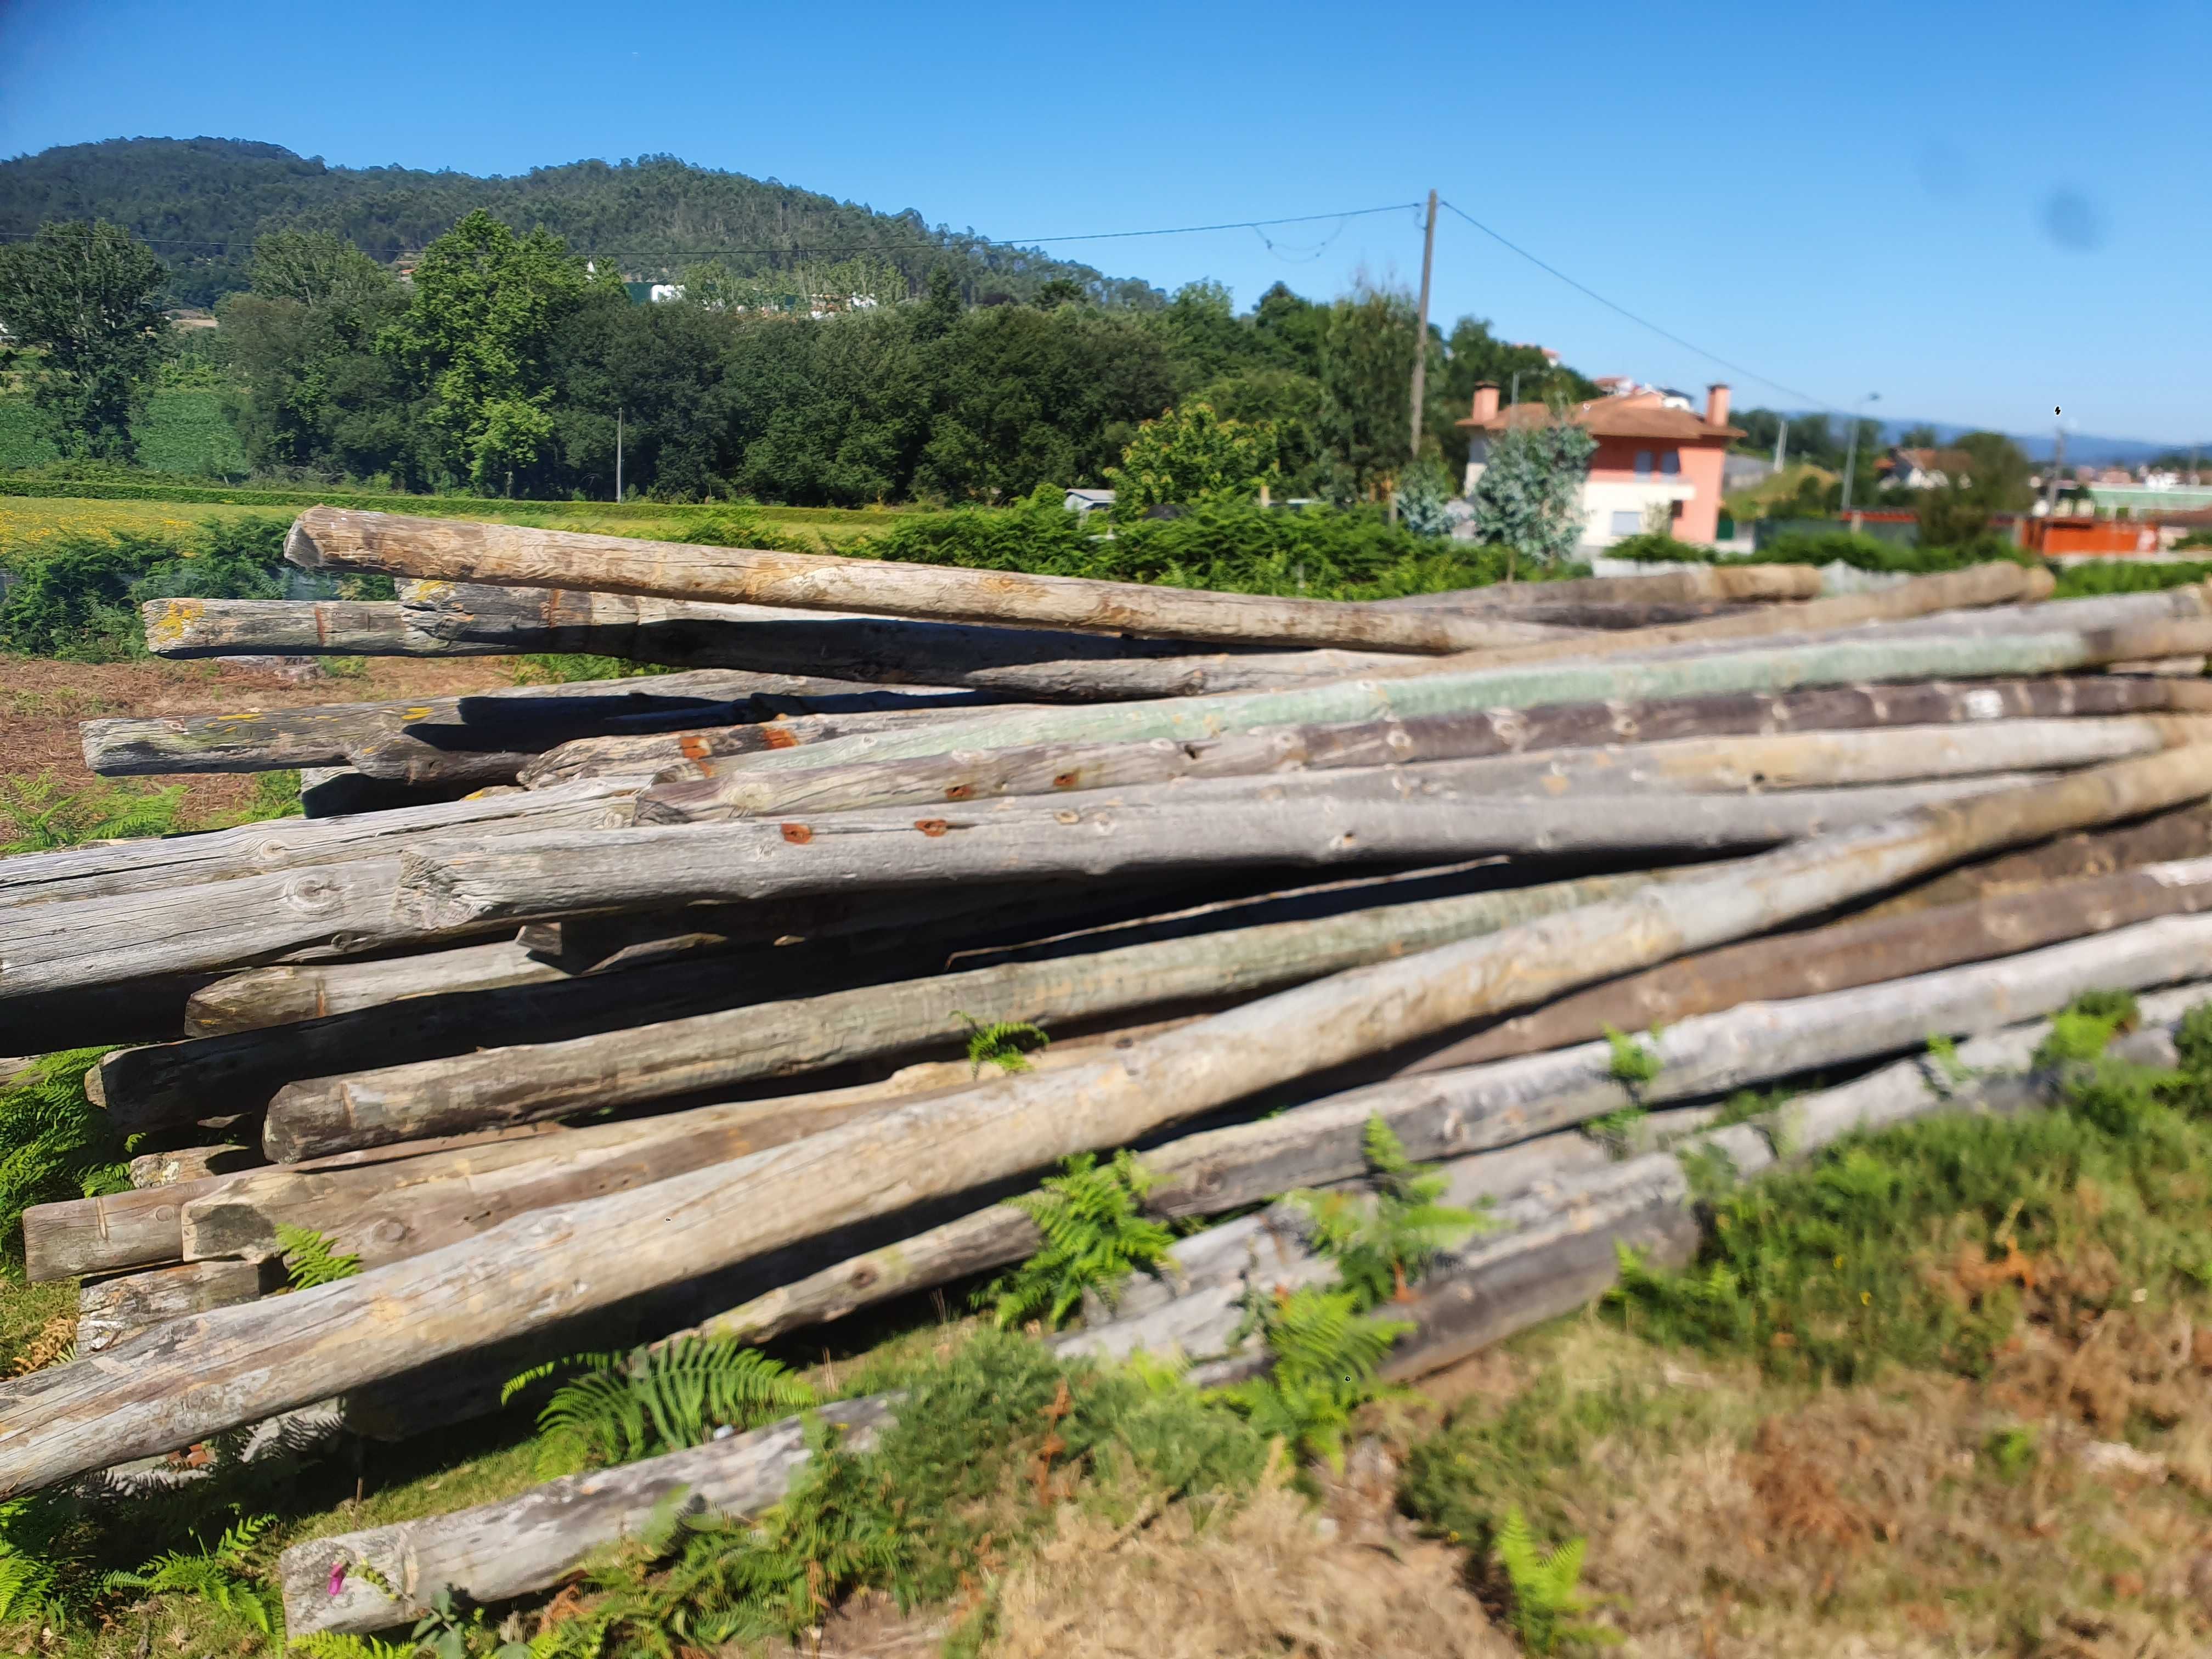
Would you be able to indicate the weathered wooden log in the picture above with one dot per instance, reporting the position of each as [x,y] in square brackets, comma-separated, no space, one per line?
[1870,658]
[508,1549]
[113,1310]
[1478,1107]
[261,997]
[1741,583]
[113,868]
[345,628]
[211,1372]
[455,618]
[1563,1251]
[379,903]
[334,538]
[1855,953]
[776,1039]
[192,1163]
[2183,832]
[400,1207]
[1056,769]
[120,1232]
[487,737]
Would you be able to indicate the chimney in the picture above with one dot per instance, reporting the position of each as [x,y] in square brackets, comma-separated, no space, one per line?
[1485,401]
[1717,405]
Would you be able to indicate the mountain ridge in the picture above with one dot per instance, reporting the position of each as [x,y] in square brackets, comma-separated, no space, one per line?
[201,202]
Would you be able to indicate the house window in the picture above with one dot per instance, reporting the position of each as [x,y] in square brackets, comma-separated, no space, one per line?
[1628,523]
[1670,461]
[1643,463]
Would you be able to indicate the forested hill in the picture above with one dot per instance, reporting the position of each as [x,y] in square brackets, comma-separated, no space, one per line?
[201,202]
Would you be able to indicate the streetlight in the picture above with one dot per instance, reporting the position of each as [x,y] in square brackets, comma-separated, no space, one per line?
[1851,454]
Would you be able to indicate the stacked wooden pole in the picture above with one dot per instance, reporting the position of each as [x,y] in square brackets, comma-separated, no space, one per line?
[755,909]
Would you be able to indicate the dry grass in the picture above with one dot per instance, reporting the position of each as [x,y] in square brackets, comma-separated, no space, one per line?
[1730,1516]
[1276,1577]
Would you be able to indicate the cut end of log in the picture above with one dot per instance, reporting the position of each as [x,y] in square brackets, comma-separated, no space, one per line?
[300,546]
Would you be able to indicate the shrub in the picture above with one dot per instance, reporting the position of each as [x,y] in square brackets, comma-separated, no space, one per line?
[77,596]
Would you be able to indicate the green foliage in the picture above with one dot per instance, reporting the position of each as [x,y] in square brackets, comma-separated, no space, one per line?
[1326,1346]
[330,1644]
[2087,577]
[1633,1064]
[309,1261]
[1908,1247]
[77,596]
[1365,367]
[1095,1234]
[1190,454]
[478,329]
[1529,498]
[37,815]
[84,294]
[2084,1028]
[222,1576]
[1546,1589]
[987,1441]
[54,1144]
[629,1406]
[1327,1352]
[1943,1052]
[1382,1245]
[1656,547]
[2011,1452]
[1425,496]
[450,1629]
[1004,1043]
[30,1579]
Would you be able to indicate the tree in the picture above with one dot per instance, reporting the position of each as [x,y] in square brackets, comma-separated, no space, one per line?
[1529,495]
[1992,480]
[83,293]
[301,342]
[477,332]
[1366,372]
[1189,455]
[1918,437]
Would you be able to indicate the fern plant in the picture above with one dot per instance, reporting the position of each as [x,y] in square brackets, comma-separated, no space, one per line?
[1327,1352]
[37,815]
[219,1576]
[1004,1043]
[629,1406]
[1380,1247]
[30,1577]
[330,1644]
[1094,1232]
[54,1144]
[1633,1064]
[1547,1589]
[309,1259]
[2085,1026]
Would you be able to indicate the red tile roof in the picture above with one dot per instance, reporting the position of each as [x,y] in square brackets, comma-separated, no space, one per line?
[1612,417]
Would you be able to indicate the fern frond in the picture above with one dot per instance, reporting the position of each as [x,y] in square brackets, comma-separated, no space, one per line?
[329,1644]
[1004,1043]
[1094,1235]
[630,1405]
[309,1259]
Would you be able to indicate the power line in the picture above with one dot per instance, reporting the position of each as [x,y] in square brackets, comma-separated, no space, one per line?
[1644,322]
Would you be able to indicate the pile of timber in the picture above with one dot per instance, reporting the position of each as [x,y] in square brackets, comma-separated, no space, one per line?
[586,1015]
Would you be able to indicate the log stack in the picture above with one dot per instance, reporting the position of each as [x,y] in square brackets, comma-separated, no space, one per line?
[647,1006]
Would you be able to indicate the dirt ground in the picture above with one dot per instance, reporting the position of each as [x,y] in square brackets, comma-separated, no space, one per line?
[42,702]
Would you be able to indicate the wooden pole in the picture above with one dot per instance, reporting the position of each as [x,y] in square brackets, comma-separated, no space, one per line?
[778,1039]
[1421,331]
[1873,658]
[212,1371]
[1689,584]
[488,739]
[335,538]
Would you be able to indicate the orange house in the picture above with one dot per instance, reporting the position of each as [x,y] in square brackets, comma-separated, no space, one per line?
[1657,462]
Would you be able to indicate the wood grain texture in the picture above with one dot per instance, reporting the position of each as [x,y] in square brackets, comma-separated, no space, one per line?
[207,1372]
[460,550]
[1065,767]
[1738,583]
[486,736]
[1874,657]
[781,1038]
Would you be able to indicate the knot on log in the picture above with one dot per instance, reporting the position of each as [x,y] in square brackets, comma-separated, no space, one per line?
[429,894]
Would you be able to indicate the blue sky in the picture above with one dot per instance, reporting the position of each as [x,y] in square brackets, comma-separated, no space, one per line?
[1980,211]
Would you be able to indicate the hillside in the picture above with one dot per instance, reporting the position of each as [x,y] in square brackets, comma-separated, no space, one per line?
[201,201]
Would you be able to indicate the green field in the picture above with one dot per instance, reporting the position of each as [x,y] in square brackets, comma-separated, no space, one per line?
[184,432]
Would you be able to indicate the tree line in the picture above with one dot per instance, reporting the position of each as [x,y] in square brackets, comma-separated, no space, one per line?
[507,363]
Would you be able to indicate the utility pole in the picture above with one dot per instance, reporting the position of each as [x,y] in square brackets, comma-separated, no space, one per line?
[1421,331]
[1852,454]
[2057,465]
[619,438]
[1781,445]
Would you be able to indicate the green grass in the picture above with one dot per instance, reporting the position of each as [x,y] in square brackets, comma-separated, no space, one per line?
[185,431]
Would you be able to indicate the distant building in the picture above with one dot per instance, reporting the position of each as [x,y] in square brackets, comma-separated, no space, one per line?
[1922,469]
[1084,503]
[1658,463]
